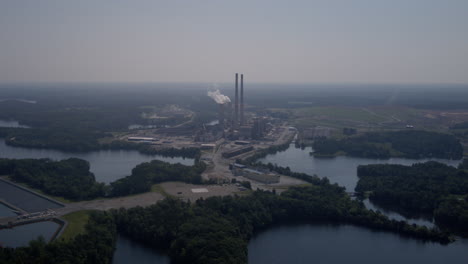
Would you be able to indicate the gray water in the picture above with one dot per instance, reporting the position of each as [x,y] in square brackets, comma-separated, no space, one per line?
[25,200]
[6,211]
[21,235]
[341,169]
[328,244]
[11,123]
[128,251]
[107,165]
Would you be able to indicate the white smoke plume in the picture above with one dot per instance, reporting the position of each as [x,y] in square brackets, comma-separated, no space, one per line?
[219,97]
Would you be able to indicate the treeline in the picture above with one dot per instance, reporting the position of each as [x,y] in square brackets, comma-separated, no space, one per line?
[430,187]
[146,174]
[193,153]
[82,140]
[217,229]
[71,178]
[96,245]
[68,178]
[408,144]
[66,139]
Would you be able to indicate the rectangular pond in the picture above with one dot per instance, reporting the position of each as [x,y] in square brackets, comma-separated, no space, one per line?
[25,200]
[19,236]
[5,211]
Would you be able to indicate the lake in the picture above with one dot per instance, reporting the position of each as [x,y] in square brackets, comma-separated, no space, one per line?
[330,244]
[107,165]
[6,211]
[341,169]
[11,123]
[21,235]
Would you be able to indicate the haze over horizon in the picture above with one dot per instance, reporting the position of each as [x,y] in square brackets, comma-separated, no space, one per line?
[337,41]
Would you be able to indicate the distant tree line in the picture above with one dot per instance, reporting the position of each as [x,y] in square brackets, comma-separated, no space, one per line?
[430,187]
[193,153]
[383,145]
[72,179]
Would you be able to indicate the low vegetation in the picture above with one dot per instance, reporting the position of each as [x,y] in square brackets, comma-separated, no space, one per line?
[76,224]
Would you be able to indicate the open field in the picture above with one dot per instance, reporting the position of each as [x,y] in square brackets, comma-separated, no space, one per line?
[374,118]
[76,224]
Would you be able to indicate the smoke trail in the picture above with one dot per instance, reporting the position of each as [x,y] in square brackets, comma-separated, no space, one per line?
[219,97]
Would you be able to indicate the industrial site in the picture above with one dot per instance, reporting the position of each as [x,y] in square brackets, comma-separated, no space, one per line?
[235,134]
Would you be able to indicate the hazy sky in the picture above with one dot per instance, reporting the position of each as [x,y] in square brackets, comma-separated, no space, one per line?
[368,41]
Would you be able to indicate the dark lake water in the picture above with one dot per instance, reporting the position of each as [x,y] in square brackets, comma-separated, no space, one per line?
[21,235]
[341,169]
[128,251]
[6,211]
[107,165]
[348,244]
[11,123]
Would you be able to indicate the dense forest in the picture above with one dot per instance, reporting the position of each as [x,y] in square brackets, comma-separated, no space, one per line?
[429,187]
[146,174]
[96,245]
[68,178]
[217,229]
[407,144]
[71,178]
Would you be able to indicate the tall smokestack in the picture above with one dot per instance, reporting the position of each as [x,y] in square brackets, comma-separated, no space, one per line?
[221,115]
[242,101]
[236,105]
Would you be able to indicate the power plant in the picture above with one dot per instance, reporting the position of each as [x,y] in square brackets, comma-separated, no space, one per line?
[232,122]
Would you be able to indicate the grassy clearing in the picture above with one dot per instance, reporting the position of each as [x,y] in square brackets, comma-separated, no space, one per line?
[157,188]
[76,224]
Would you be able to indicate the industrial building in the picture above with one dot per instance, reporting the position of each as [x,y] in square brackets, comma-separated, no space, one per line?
[253,174]
[236,152]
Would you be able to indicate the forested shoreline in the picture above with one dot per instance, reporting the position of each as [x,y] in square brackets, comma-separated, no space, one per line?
[71,178]
[82,140]
[412,144]
[96,245]
[430,187]
[213,230]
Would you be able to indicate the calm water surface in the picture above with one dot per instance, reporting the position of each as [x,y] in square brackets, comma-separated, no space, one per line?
[341,169]
[11,123]
[21,235]
[348,244]
[6,211]
[107,165]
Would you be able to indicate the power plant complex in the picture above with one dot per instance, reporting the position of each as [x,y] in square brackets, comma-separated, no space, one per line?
[232,122]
